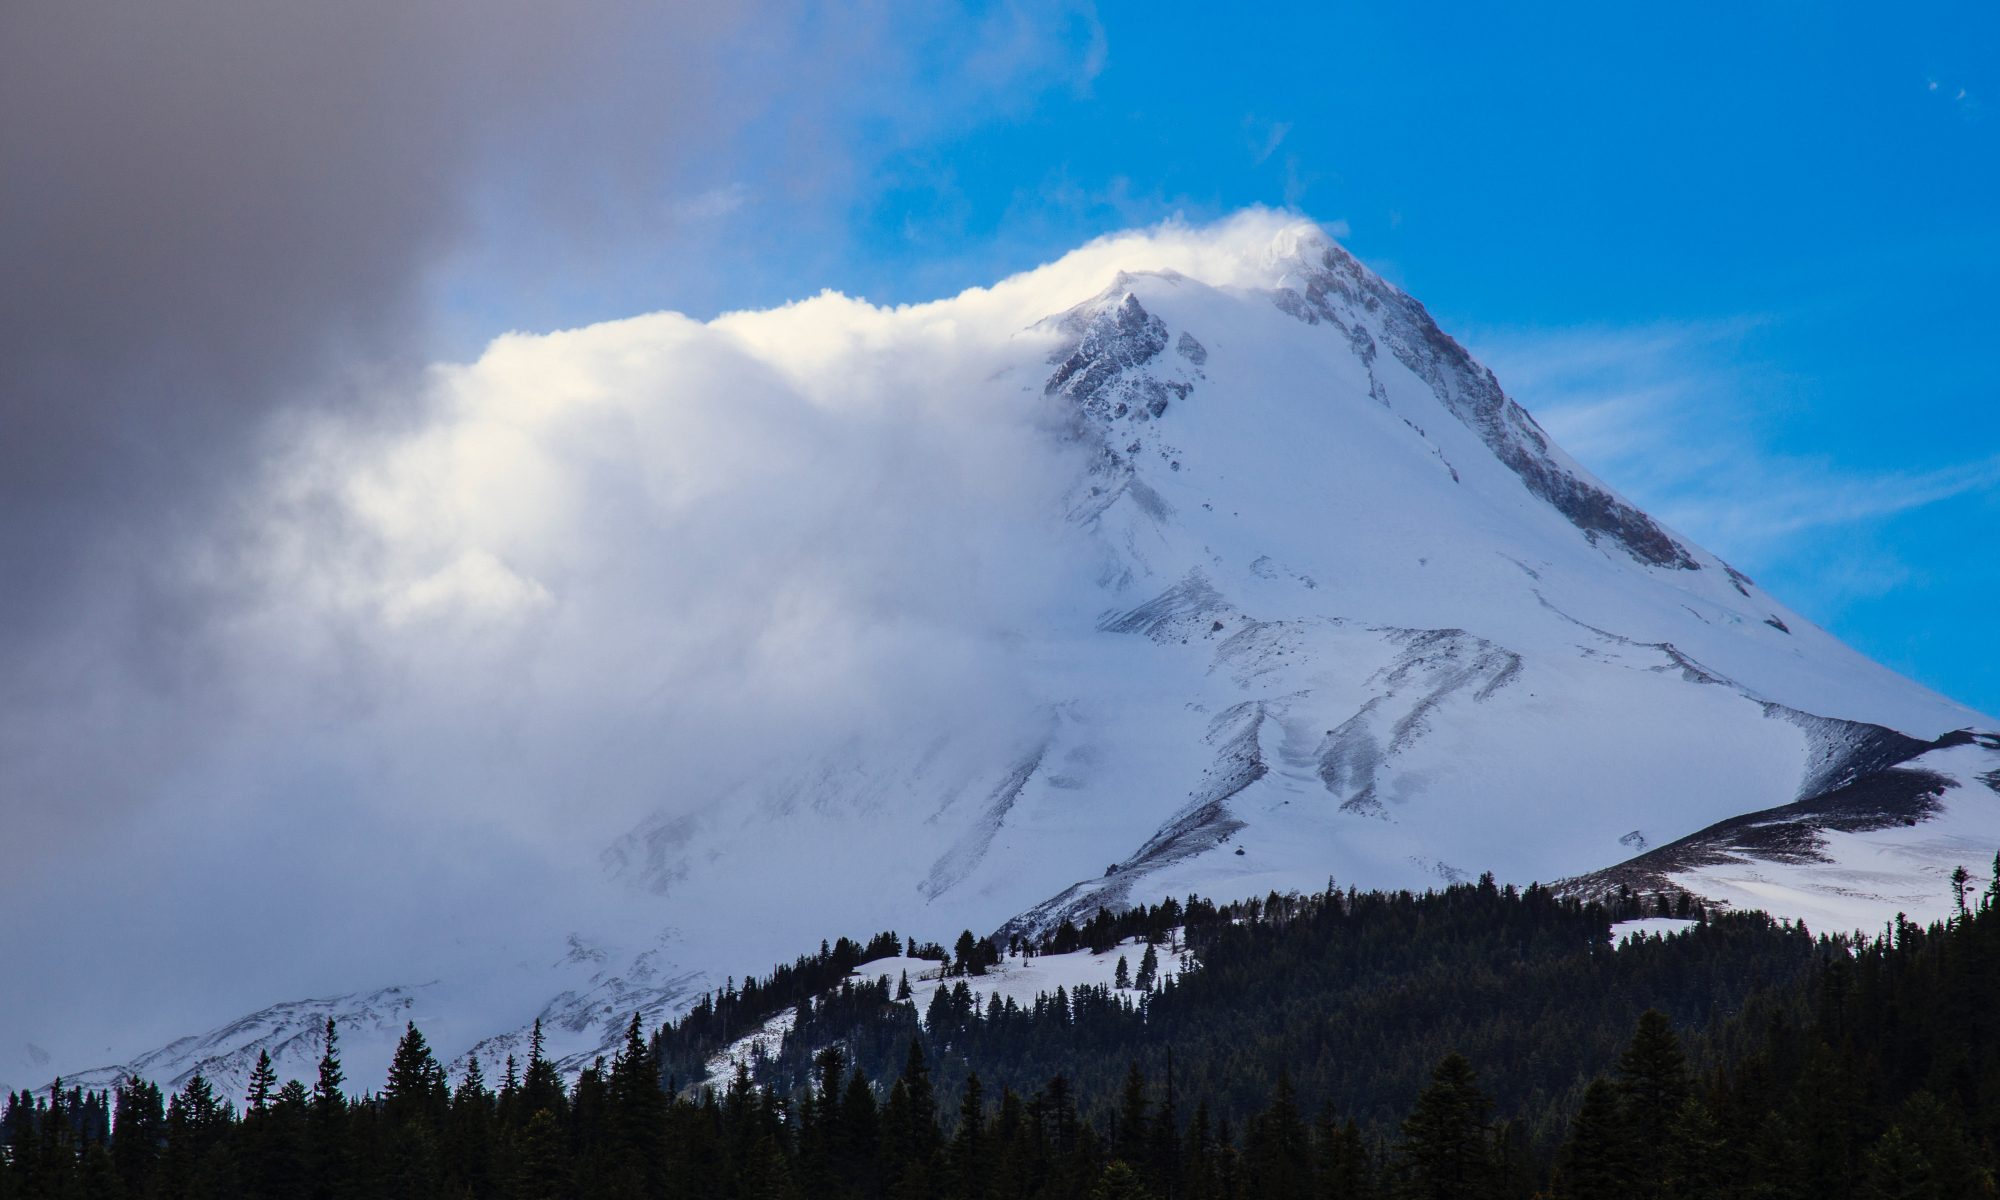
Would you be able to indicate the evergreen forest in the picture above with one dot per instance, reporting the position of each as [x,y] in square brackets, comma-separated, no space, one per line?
[1475,1043]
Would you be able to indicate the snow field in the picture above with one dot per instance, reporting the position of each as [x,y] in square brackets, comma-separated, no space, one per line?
[1020,978]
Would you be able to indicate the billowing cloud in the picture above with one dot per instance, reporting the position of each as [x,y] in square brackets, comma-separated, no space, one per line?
[595,574]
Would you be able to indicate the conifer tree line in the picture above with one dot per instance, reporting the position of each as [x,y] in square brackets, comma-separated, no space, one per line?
[1857,1069]
[1356,995]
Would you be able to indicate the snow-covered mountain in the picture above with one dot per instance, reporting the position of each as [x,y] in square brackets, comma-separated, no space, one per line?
[1338,608]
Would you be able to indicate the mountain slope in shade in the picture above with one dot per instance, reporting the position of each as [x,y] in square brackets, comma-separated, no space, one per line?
[1341,610]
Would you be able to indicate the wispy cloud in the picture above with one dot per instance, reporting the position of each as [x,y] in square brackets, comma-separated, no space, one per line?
[1265,137]
[1814,497]
[1957,94]
[712,203]
[1679,417]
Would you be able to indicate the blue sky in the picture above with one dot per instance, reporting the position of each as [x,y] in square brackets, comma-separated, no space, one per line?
[1740,258]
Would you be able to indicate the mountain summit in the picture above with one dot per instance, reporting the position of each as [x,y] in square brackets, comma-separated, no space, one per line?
[1328,604]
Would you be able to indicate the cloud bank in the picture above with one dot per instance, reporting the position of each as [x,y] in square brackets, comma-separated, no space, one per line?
[224,221]
[596,574]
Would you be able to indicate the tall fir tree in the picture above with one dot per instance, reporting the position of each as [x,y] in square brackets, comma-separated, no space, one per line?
[1277,1150]
[541,1084]
[1653,1086]
[263,1083]
[327,1093]
[968,1144]
[638,1113]
[1447,1148]
[1596,1160]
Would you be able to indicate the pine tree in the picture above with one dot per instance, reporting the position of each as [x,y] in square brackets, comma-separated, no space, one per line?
[1119,1182]
[1938,1131]
[593,1171]
[269,1135]
[417,1091]
[1198,1157]
[1697,1163]
[414,1104]
[638,1116]
[1653,1086]
[1228,1182]
[196,1126]
[52,1148]
[470,1143]
[909,1132]
[472,1085]
[541,1084]
[1898,1170]
[916,1080]
[1342,1159]
[968,1143]
[1446,1152]
[1277,1151]
[1830,1122]
[331,1167]
[96,1176]
[541,1168]
[326,1091]
[857,1141]
[1149,968]
[140,1122]
[1596,1161]
[767,1172]
[1162,1171]
[263,1083]
[1128,1138]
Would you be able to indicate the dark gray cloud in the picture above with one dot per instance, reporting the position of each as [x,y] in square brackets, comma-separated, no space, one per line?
[211,211]
[201,202]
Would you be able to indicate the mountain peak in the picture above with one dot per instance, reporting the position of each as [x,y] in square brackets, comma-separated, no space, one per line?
[1325,602]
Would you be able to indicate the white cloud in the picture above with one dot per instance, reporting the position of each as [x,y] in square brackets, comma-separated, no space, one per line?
[719,201]
[1266,138]
[475,586]
[592,575]
[1961,97]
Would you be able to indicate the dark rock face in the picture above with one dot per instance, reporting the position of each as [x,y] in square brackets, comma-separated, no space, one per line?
[1845,751]
[1100,375]
[1333,281]
[1869,787]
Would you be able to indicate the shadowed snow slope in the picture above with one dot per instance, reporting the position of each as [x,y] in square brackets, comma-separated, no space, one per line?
[1302,595]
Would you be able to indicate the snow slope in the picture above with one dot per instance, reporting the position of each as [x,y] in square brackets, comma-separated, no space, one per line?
[1649,927]
[1339,609]
[1017,977]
